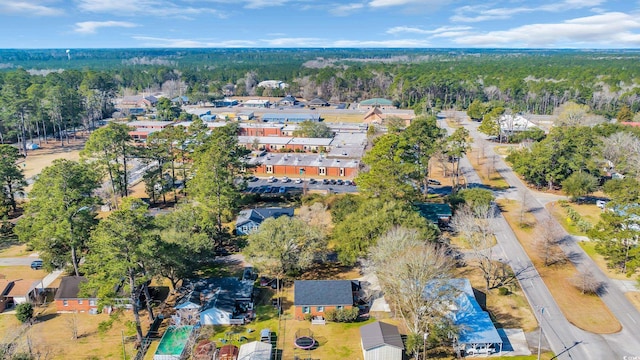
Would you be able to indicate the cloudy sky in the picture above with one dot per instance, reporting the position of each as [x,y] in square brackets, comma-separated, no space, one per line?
[320,23]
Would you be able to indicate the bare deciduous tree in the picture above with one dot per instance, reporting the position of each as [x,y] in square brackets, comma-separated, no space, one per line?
[586,283]
[474,225]
[406,266]
[315,215]
[72,323]
[546,243]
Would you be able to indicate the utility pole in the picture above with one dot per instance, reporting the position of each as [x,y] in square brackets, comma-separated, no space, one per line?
[540,331]
[124,352]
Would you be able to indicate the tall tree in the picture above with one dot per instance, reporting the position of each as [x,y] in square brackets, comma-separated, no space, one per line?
[579,184]
[458,144]
[476,110]
[60,213]
[122,247]
[313,129]
[186,242]
[111,147]
[369,219]
[15,104]
[424,134]
[285,246]
[217,164]
[11,175]
[389,169]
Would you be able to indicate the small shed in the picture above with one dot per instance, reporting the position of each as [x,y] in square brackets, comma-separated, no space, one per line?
[255,350]
[228,352]
[381,341]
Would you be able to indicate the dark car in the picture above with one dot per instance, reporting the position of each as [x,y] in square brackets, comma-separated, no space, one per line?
[37,264]
[433,182]
[339,182]
[325,182]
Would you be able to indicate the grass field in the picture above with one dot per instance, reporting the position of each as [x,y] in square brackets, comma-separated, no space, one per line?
[589,212]
[52,334]
[587,312]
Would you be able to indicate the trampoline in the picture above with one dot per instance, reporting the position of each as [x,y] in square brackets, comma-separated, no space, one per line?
[304,339]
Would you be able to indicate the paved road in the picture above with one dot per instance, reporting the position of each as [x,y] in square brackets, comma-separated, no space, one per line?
[21,261]
[567,341]
[623,343]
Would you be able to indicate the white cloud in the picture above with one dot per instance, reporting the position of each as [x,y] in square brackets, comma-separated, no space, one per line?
[295,42]
[414,30]
[161,8]
[385,3]
[613,29]
[90,27]
[480,13]
[400,43]
[28,7]
[346,9]
[149,41]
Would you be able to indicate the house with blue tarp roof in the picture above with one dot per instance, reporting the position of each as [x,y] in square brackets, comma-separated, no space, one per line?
[475,328]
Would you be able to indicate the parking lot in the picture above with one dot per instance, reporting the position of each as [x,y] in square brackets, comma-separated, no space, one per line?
[283,185]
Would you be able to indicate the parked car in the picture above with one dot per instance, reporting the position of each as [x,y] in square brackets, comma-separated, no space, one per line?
[601,204]
[481,349]
[434,182]
[325,182]
[265,336]
[333,181]
[282,190]
[37,264]
[312,181]
[339,182]
[285,179]
[348,182]
[252,179]
[272,179]
[298,181]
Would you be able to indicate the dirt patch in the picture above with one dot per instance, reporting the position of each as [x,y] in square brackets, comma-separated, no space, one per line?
[634,298]
[587,312]
[52,333]
[40,158]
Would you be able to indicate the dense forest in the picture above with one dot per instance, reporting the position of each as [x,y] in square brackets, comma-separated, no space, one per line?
[50,91]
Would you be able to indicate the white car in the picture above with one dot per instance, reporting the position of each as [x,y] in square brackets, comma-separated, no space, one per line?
[480,349]
[285,179]
[298,181]
[601,204]
[272,179]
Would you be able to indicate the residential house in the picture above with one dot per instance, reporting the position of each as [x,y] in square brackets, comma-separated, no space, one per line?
[273,84]
[5,287]
[439,214]
[316,297]
[317,102]
[288,101]
[381,341]
[476,330]
[228,352]
[512,124]
[180,100]
[255,350]
[67,299]
[215,301]
[23,291]
[249,220]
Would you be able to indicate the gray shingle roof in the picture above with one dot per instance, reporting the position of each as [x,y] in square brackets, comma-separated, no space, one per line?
[379,334]
[258,215]
[69,287]
[323,292]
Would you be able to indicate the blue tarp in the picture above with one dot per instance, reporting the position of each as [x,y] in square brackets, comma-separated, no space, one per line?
[474,324]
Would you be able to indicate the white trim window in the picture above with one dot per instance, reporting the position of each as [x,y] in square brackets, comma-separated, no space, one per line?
[269,169]
[306,310]
[341,171]
[322,170]
[320,309]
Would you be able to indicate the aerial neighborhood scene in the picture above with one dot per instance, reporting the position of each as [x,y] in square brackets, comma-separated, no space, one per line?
[177,185]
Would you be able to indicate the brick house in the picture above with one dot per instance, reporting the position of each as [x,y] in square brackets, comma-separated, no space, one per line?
[307,165]
[67,299]
[316,297]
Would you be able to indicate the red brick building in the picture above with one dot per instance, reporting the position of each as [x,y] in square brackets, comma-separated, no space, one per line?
[67,299]
[304,165]
[316,297]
